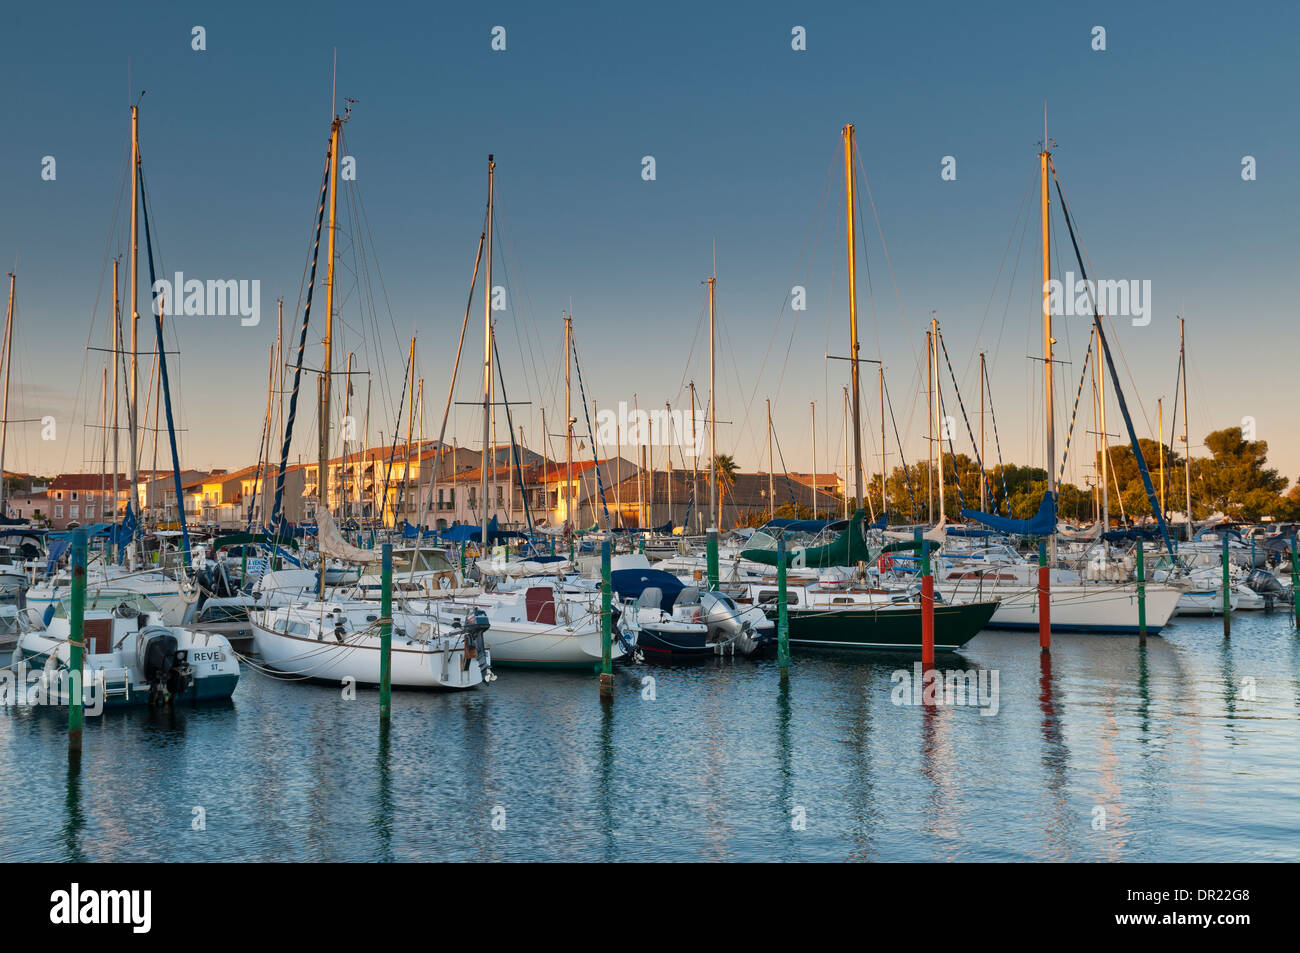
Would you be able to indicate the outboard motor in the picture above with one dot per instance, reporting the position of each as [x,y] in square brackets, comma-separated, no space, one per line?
[1267,585]
[475,627]
[165,667]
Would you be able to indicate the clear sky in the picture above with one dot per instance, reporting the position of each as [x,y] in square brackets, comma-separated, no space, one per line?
[745,132]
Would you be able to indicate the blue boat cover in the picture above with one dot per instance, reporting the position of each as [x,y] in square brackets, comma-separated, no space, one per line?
[1043,523]
[1131,534]
[630,583]
[57,548]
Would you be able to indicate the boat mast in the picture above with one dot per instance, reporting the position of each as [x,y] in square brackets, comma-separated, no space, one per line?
[771,466]
[640,462]
[846,451]
[1187,446]
[713,419]
[117,357]
[343,458]
[1105,453]
[322,474]
[487,363]
[1160,430]
[929,429]
[695,465]
[568,427]
[813,406]
[851,231]
[938,411]
[884,468]
[4,414]
[410,426]
[132,410]
[1044,160]
[983,500]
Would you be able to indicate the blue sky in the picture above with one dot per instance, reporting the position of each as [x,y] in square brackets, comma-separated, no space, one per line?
[744,131]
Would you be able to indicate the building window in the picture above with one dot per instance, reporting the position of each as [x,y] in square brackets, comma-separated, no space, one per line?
[58,511]
[90,511]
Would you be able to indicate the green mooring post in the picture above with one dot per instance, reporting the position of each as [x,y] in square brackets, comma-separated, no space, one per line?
[606,635]
[640,543]
[782,614]
[462,557]
[386,635]
[1295,582]
[1142,591]
[712,549]
[1227,592]
[76,642]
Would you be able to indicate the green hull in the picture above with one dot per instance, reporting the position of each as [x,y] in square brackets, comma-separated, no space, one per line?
[893,629]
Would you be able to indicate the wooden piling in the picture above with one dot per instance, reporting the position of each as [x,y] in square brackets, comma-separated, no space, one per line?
[1227,591]
[927,605]
[712,550]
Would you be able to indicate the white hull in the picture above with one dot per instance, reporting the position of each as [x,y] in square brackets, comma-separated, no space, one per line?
[440,663]
[1087,607]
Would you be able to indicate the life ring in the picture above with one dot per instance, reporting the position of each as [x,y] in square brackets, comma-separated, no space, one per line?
[885,562]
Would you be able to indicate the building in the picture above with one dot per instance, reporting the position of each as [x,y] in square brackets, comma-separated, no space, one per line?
[79,499]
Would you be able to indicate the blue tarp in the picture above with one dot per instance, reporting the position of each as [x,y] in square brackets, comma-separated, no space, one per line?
[57,548]
[971,533]
[1043,522]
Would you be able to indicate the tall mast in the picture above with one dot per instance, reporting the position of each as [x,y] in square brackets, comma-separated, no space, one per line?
[695,464]
[1160,430]
[343,450]
[568,425]
[929,426]
[713,420]
[1105,450]
[1044,161]
[117,357]
[322,474]
[938,412]
[1187,446]
[133,408]
[850,227]
[813,411]
[487,363]
[4,414]
[846,452]
[410,427]
[884,468]
[771,466]
[983,500]
[668,456]
[640,463]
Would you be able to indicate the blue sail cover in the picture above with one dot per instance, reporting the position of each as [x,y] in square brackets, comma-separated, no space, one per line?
[630,583]
[1132,534]
[1043,523]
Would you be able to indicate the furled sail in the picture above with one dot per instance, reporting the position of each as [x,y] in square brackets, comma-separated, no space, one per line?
[1042,523]
[333,545]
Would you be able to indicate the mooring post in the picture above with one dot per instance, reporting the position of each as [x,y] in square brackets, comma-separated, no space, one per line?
[1044,599]
[927,604]
[386,635]
[243,565]
[1142,592]
[640,543]
[606,635]
[552,545]
[1295,582]
[782,613]
[76,643]
[462,557]
[1227,591]
[712,550]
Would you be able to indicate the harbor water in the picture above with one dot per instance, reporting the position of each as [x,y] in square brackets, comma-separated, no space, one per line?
[1182,749]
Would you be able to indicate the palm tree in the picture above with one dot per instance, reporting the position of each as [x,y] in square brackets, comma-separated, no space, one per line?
[724,475]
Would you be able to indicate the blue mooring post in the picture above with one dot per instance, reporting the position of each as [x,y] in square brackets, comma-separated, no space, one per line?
[1227,592]
[606,635]
[1142,592]
[782,614]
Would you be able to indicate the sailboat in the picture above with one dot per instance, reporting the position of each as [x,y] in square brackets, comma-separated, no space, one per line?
[1108,602]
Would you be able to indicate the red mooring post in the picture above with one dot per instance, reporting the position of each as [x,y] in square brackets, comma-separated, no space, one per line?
[927,606]
[1044,599]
